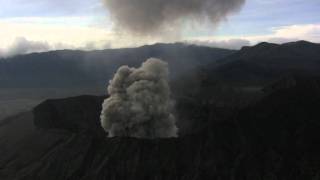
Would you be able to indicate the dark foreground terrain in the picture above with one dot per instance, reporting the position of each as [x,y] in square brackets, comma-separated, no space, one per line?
[251,114]
[276,137]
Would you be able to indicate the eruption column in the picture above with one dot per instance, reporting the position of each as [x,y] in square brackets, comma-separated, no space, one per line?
[139,104]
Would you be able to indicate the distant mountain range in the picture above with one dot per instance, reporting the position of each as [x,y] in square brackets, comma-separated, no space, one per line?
[250,65]
[68,68]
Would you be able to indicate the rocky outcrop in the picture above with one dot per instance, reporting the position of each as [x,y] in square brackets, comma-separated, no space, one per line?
[77,114]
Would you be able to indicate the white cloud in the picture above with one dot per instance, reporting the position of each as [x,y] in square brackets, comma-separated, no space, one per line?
[308,32]
[23,46]
[226,44]
[65,32]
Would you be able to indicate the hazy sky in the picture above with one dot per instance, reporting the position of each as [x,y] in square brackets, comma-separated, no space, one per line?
[55,24]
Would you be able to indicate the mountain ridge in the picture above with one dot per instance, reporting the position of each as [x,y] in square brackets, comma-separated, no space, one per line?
[95,68]
[267,62]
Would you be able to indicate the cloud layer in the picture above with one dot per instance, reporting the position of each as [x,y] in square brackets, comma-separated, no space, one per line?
[225,44]
[151,17]
[23,46]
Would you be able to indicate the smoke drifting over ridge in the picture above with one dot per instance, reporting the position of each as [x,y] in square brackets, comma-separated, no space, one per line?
[23,46]
[139,104]
[149,17]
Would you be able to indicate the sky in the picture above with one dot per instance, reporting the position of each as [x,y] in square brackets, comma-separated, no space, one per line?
[40,25]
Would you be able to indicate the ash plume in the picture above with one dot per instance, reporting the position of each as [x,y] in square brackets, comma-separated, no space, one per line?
[139,104]
[149,17]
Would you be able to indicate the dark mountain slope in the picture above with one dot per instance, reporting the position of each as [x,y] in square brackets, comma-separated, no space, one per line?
[68,68]
[284,129]
[266,62]
[275,138]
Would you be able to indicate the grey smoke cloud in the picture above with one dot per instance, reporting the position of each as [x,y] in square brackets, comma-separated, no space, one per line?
[149,17]
[139,104]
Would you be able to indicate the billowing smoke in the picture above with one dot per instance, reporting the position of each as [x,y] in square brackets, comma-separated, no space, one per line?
[149,17]
[139,104]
